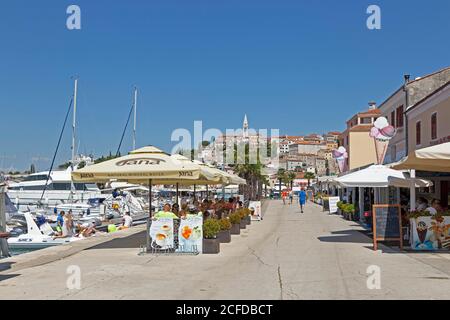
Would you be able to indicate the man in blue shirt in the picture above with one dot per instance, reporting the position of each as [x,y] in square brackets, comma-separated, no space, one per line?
[60,222]
[302,199]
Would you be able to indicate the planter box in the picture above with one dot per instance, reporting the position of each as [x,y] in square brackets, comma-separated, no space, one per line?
[348,216]
[224,236]
[235,229]
[243,224]
[248,220]
[211,246]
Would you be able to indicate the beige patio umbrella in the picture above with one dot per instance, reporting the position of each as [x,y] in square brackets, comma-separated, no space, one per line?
[435,158]
[207,175]
[140,166]
[148,165]
[237,180]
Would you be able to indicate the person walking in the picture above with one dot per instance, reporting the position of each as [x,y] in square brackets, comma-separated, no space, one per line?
[302,198]
[291,197]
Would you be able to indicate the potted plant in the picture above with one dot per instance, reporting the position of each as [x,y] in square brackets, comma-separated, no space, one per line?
[349,210]
[211,244]
[224,234]
[318,198]
[344,211]
[242,214]
[235,220]
[248,217]
[340,206]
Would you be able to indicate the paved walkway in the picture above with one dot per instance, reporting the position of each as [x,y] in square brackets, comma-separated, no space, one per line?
[287,256]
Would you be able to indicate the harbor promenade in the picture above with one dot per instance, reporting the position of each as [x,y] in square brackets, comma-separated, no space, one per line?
[288,255]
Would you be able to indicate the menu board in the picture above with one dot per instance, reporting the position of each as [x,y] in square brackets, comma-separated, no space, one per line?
[161,234]
[190,235]
[332,203]
[257,214]
[387,224]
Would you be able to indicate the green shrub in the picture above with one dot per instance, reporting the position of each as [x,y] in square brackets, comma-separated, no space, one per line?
[225,224]
[211,228]
[349,208]
[235,218]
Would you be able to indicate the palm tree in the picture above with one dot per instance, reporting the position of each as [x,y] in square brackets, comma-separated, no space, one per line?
[281,176]
[252,173]
[291,175]
[309,176]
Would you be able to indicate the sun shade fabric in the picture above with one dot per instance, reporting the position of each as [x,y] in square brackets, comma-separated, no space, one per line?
[376,176]
[435,158]
[407,182]
[140,166]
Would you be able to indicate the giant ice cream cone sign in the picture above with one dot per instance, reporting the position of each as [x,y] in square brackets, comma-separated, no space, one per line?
[341,156]
[382,133]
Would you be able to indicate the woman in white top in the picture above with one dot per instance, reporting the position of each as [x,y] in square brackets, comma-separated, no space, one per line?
[67,230]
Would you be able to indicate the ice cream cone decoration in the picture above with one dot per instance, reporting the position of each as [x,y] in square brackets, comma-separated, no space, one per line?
[422,231]
[341,156]
[381,148]
[382,133]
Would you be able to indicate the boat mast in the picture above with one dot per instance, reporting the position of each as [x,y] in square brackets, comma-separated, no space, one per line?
[74,123]
[135,110]
[74,120]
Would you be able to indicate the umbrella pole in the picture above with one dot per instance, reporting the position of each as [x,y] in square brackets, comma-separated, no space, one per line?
[194,192]
[149,213]
[176,197]
[207,193]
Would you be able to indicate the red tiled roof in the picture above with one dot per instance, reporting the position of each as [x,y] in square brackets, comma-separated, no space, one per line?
[361,128]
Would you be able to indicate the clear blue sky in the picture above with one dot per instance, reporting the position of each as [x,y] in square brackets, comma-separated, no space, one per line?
[300,66]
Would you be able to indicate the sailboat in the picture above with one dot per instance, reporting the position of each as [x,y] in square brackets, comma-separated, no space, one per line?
[53,187]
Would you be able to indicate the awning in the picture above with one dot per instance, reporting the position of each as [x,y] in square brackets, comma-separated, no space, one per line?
[435,158]
[407,182]
[376,176]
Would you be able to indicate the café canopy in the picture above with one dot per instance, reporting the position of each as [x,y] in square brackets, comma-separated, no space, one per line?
[435,158]
[375,176]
